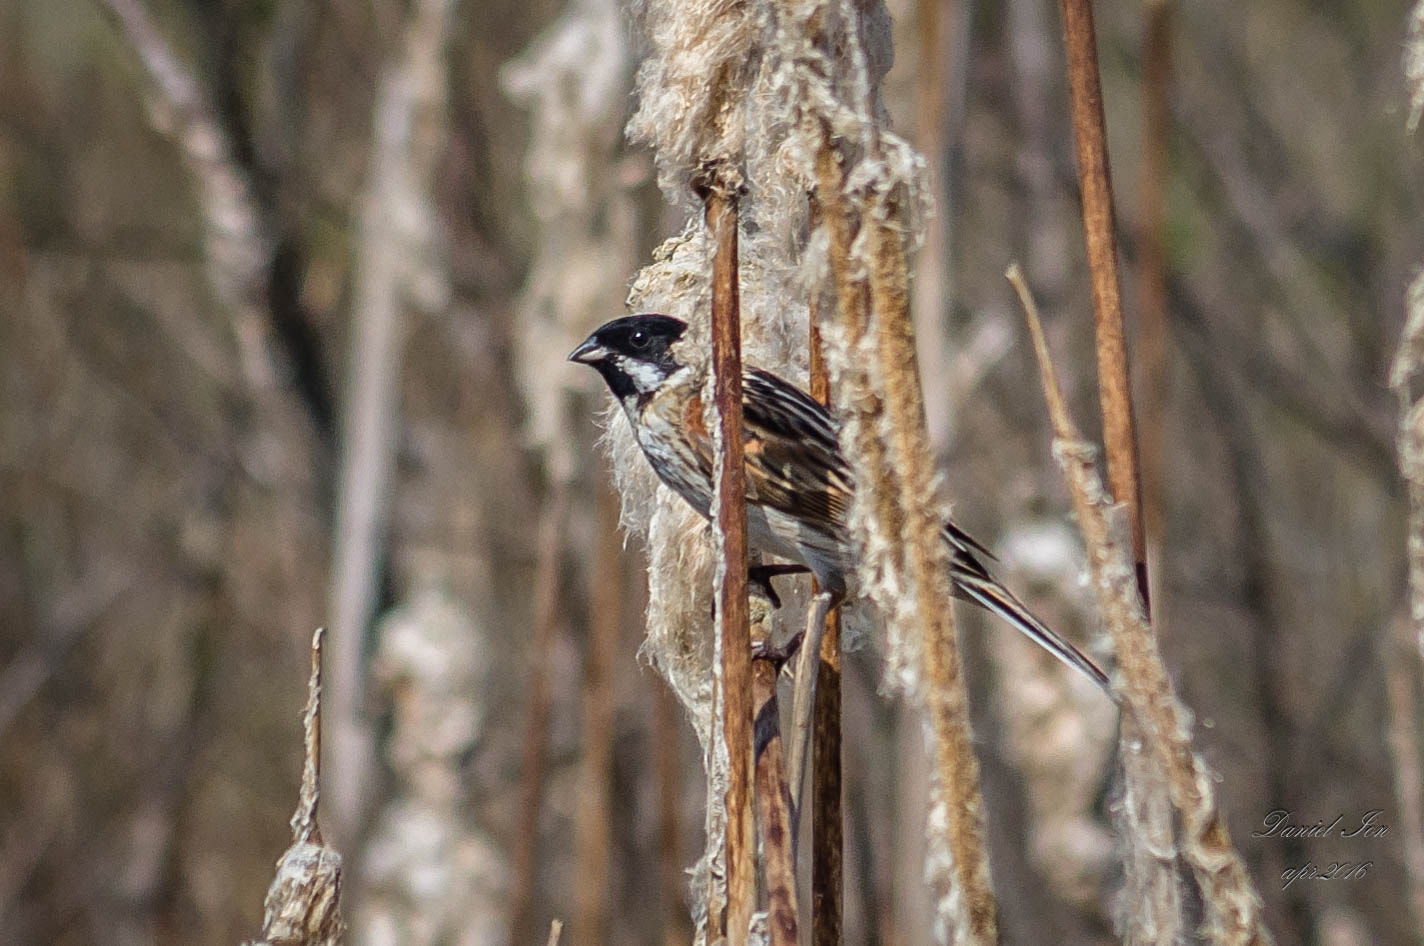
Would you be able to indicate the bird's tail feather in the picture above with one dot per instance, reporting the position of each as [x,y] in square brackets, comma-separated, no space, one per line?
[984,591]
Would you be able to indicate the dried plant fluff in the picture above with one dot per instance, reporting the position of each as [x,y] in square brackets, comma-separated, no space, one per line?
[682,561]
[744,87]
[1413,62]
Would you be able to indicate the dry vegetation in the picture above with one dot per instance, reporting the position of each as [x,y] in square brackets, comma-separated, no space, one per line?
[285,291]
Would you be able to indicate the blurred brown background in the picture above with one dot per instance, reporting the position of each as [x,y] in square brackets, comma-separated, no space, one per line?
[285,290]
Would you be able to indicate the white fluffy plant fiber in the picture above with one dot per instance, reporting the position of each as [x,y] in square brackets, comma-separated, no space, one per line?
[682,561]
[831,86]
[830,83]
[693,85]
[703,85]
[742,90]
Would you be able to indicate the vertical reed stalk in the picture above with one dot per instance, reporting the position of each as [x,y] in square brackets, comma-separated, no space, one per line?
[536,726]
[720,203]
[946,703]
[900,492]
[773,808]
[853,314]
[933,91]
[303,904]
[1404,378]
[1401,675]
[593,830]
[827,826]
[1152,268]
[1085,97]
[667,719]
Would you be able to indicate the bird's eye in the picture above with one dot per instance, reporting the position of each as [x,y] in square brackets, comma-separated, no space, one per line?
[639,339]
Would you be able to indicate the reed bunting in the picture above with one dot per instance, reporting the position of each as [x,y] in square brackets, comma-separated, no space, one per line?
[798,484]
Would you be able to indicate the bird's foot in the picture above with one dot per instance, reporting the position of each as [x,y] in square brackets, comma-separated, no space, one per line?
[778,654]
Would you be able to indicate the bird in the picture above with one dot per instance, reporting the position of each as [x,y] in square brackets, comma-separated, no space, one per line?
[799,486]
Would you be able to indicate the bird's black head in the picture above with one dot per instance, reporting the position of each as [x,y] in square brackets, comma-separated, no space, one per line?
[634,354]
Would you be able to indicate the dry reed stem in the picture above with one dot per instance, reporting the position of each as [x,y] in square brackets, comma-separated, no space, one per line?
[827,826]
[1404,377]
[593,831]
[773,808]
[853,314]
[536,726]
[1414,65]
[900,494]
[1232,910]
[1152,268]
[1114,385]
[303,906]
[666,721]
[1404,374]
[933,92]
[720,200]
[1401,674]
[946,704]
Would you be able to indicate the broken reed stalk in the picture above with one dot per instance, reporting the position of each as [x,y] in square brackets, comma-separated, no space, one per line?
[946,703]
[773,807]
[1230,906]
[827,826]
[303,905]
[719,196]
[1085,96]
[536,726]
[593,838]
[1152,266]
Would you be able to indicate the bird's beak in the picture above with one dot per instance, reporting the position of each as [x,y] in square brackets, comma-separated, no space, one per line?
[590,352]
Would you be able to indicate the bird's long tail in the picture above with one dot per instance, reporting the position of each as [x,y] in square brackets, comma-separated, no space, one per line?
[973,582]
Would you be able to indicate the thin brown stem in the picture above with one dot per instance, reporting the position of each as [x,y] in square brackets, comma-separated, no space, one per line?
[303,903]
[593,838]
[827,826]
[1407,364]
[1401,674]
[1085,97]
[673,882]
[946,704]
[304,823]
[720,202]
[773,808]
[536,726]
[932,94]
[1152,265]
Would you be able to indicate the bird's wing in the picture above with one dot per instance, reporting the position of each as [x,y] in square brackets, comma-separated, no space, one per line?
[794,462]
